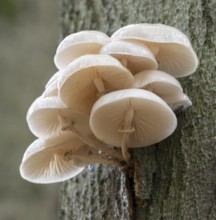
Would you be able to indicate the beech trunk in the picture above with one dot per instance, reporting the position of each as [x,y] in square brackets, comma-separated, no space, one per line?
[175,179]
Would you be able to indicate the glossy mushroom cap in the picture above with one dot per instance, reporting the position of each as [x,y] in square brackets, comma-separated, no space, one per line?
[45,161]
[89,76]
[153,120]
[78,44]
[158,82]
[43,117]
[133,55]
[171,47]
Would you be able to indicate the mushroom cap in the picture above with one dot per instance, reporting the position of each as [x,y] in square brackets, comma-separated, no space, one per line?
[53,79]
[153,119]
[172,48]
[179,101]
[76,84]
[138,56]
[43,118]
[44,160]
[51,88]
[158,82]
[78,44]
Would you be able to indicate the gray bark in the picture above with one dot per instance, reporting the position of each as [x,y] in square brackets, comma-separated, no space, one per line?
[175,179]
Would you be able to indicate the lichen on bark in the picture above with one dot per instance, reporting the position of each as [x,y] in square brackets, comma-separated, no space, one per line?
[175,179]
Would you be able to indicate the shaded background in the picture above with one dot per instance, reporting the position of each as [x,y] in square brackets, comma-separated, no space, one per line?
[28,40]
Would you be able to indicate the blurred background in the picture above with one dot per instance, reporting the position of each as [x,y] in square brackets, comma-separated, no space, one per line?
[29,33]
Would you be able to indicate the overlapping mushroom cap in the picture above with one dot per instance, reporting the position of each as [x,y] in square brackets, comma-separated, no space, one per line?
[179,102]
[51,88]
[53,79]
[133,55]
[171,47]
[44,116]
[78,44]
[152,119]
[161,83]
[45,161]
[90,76]
[111,87]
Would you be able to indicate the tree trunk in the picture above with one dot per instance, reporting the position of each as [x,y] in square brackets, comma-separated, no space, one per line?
[175,179]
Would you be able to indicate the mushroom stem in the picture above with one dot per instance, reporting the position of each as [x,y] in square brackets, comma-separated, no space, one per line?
[99,85]
[66,125]
[124,62]
[127,130]
[82,137]
[124,146]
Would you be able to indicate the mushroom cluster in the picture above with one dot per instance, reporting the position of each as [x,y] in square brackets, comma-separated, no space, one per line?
[109,94]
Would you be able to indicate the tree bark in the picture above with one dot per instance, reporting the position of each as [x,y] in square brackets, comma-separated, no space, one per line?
[175,179]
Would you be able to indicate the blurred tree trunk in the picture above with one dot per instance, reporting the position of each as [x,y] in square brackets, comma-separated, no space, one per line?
[175,179]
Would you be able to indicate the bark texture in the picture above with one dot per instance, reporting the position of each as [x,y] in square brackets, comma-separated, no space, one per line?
[175,179]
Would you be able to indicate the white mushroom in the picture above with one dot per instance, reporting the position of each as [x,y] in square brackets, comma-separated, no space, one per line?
[163,85]
[158,82]
[133,55]
[48,117]
[43,117]
[90,76]
[78,44]
[45,162]
[53,79]
[171,47]
[58,158]
[180,102]
[51,88]
[131,118]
